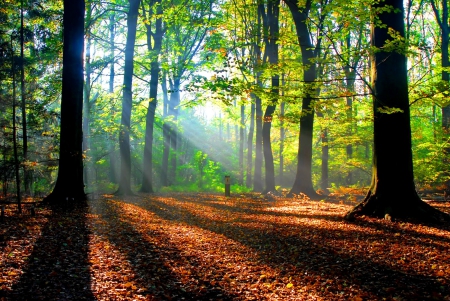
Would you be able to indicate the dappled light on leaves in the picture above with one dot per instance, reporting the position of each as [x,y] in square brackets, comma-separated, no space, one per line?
[209,247]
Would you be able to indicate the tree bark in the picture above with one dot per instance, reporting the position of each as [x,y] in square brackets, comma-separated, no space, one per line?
[273,11]
[392,193]
[69,187]
[125,124]
[303,178]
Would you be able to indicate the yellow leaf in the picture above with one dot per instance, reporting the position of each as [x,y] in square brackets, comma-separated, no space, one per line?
[289,285]
[128,284]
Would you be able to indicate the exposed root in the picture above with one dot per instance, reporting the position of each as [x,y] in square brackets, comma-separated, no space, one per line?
[415,210]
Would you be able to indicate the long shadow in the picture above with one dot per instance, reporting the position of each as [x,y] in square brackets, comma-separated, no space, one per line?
[316,259]
[58,268]
[383,229]
[250,209]
[148,260]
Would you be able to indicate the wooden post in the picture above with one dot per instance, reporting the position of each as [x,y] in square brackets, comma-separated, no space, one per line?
[227,185]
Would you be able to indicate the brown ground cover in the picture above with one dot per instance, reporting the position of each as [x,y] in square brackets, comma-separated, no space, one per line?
[209,247]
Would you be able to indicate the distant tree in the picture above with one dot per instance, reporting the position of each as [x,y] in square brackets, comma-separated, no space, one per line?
[69,185]
[392,192]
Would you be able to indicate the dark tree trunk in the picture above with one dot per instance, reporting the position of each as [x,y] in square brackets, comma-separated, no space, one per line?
[392,192]
[125,124]
[303,178]
[273,11]
[69,186]
[154,49]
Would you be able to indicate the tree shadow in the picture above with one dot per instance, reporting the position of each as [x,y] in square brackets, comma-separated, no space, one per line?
[58,268]
[317,259]
[153,262]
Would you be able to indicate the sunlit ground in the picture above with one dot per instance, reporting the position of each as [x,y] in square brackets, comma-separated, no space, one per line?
[208,247]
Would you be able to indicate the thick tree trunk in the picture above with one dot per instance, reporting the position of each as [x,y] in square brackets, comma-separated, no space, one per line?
[125,124]
[69,184]
[303,178]
[392,192]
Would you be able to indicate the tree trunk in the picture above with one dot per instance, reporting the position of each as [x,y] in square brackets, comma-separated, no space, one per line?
[257,177]
[154,49]
[69,186]
[282,135]
[166,136]
[392,192]
[442,20]
[26,172]
[86,109]
[173,133]
[16,155]
[273,11]
[124,135]
[241,145]
[303,178]
[248,178]
[112,151]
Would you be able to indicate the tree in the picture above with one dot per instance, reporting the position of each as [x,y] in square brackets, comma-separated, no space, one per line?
[272,31]
[442,20]
[392,192]
[154,44]
[303,178]
[69,184]
[125,123]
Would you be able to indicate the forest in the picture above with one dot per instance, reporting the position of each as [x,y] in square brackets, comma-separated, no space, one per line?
[178,94]
[325,122]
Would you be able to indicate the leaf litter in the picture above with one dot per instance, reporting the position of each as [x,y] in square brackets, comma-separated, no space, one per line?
[210,247]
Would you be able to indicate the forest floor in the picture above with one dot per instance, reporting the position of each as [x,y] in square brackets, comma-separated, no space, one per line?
[209,247]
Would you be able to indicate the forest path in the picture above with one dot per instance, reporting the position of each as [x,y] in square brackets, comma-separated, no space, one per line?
[209,247]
